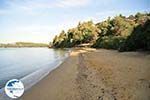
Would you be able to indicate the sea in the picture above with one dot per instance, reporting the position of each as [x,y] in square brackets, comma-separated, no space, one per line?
[29,65]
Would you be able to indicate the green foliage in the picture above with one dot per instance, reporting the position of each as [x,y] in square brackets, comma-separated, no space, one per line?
[139,39]
[105,28]
[120,32]
[109,42]
[122,26]
[84,33]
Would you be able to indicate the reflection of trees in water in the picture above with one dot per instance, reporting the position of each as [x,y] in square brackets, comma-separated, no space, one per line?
[60,52]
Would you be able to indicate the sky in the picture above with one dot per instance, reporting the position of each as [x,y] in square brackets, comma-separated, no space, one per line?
[41,20]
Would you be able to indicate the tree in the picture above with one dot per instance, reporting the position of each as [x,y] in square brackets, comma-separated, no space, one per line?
[120,32]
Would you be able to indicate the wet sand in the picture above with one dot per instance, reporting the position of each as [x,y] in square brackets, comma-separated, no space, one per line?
[90,74]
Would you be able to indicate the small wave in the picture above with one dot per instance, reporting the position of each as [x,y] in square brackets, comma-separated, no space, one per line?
[33,78]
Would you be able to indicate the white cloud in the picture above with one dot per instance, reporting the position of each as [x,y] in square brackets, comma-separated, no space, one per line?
[36,4]
[31,7]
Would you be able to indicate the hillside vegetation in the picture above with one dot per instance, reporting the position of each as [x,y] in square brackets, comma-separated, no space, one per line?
[24,44]
[121,33]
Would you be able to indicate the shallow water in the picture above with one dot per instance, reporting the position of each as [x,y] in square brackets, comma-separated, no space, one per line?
[18,63]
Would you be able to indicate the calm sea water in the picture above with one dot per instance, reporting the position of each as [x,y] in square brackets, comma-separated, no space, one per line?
[21,62]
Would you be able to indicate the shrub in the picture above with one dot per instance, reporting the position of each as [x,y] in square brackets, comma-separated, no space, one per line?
[109,42]
[139,39]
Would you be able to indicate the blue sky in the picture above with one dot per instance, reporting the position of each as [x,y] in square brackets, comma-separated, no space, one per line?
[41,20]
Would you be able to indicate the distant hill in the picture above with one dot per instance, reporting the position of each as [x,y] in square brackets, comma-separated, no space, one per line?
[23,44]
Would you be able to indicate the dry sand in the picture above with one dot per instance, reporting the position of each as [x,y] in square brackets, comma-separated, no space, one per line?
[96,75]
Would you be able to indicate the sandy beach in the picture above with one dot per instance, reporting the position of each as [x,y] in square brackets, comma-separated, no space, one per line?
[89,74]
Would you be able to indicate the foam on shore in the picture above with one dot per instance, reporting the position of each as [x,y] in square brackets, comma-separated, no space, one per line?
[33,78]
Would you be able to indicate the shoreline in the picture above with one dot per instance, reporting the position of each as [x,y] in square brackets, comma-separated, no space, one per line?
[25,96]
[35,77]
[90,74]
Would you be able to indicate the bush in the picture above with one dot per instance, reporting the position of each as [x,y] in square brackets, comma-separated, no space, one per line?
[139,38]
[109,42]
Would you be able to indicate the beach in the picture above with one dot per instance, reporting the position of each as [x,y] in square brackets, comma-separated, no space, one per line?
[90,74]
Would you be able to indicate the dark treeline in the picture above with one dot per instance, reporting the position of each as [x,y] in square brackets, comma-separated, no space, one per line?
[23,44]
[121,33]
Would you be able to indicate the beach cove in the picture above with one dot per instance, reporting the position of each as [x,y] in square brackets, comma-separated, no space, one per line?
[90,74]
